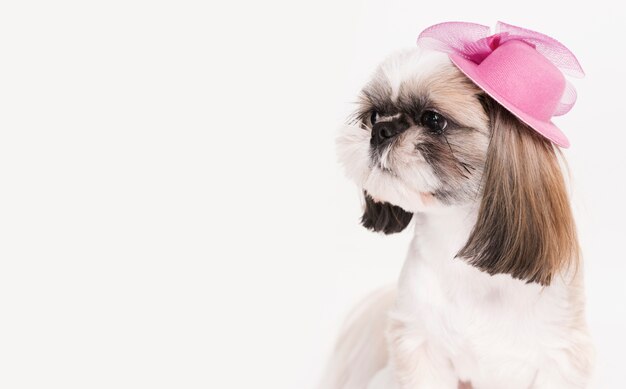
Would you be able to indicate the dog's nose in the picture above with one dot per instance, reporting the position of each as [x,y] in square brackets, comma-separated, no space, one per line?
[385,130]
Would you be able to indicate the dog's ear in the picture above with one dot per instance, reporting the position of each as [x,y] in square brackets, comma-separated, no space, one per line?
[384,217]
[525,226]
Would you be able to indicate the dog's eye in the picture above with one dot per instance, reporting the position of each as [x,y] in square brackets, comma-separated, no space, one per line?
[373,117]
[434,122]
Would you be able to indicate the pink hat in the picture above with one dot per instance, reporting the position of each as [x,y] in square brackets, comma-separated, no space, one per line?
[521,69]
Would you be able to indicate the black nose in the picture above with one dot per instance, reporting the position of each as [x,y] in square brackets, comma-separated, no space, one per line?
[385,130]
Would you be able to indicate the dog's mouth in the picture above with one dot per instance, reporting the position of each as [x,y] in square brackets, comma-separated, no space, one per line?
[382,158]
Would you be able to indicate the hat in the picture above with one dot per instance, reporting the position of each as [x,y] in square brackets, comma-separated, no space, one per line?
[520,69]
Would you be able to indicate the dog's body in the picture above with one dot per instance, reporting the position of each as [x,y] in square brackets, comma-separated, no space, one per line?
[457,323]
[490,296]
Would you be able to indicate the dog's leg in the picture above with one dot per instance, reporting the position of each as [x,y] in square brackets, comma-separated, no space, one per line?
[421,370]
[414,365]
[568,373]
[553,379]
[568,367]
[385,379]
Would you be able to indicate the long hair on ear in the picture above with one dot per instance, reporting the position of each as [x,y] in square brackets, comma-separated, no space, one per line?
[384,217]
[525,225]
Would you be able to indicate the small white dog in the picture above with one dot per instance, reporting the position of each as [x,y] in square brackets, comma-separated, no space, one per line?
[490,296]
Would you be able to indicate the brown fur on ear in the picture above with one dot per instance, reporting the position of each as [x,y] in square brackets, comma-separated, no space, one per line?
[525,225]
[384,217]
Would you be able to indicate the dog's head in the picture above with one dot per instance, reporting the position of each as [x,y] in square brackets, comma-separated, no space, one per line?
[425,137]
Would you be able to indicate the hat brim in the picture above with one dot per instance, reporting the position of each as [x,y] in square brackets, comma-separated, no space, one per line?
[547,129]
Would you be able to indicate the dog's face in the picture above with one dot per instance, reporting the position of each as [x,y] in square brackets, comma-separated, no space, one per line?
[424,137]
[420,134]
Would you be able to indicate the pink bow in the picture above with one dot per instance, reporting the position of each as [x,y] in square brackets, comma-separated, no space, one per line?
[474,42]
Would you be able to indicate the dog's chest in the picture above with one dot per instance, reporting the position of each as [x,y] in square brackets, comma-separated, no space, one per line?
[489,329]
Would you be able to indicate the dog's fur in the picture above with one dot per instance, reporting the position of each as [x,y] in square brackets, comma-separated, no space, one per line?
[490,295]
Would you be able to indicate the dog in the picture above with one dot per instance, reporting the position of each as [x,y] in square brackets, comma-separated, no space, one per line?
[491,293]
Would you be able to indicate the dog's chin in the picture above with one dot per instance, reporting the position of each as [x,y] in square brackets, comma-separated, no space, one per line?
[385,186]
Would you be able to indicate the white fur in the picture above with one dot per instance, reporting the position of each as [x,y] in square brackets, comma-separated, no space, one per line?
[362,343]
[451,322]
[493,331]
[455,323]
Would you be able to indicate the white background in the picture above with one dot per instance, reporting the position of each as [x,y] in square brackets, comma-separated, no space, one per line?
[171,211]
